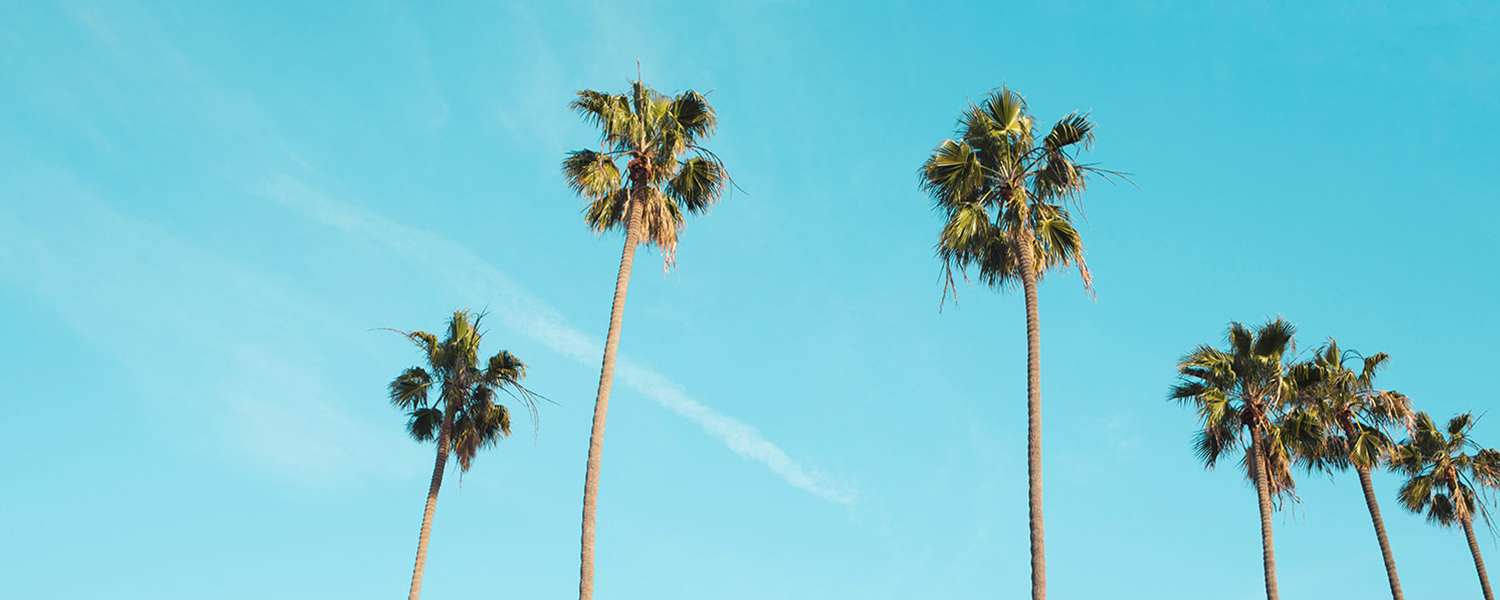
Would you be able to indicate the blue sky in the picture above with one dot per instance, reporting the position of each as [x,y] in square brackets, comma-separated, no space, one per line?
[207,209]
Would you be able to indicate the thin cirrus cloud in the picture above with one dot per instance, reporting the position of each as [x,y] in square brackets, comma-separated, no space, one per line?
[524,312]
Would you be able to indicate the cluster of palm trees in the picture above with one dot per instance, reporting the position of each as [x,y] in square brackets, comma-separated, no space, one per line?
[1005,189]
[1325,414]
[666,176]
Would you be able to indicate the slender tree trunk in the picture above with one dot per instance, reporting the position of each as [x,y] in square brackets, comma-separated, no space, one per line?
[445,432]
[601,402]
[1484,578]
[1385,544]
[1033,414]
[1263,495]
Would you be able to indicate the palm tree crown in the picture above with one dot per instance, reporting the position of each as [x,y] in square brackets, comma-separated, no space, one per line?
[667,172]
[1245,386]
[996,180]
[1340,419]
[1448,471]
[465,385]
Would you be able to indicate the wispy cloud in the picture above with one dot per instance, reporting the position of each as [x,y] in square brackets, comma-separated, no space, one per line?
[522,311]
[142,295]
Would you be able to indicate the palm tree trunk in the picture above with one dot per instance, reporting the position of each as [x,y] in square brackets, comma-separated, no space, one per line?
[601,402]
[1263,495]
[1385,544]
[1033,414]
[445,432]
[1484,579]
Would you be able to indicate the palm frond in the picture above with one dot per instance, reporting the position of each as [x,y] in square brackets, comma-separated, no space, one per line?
[953,175]
[698,183]
[609,112]
[591,174]
[422,424]
[1275,338]
[1074,129]
[504,369]
[694,115]
[408,391]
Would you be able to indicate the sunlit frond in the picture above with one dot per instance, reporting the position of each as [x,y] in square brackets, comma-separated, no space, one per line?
[1074,129]
[953,175]
[591,174]
[609,112]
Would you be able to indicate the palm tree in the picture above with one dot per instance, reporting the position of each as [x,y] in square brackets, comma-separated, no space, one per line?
[464,417]
[667,175]
[1448,472]
[1003,193]
[1241,393]
[1340,420]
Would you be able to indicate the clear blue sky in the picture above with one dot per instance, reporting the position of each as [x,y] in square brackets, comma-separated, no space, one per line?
[205,209]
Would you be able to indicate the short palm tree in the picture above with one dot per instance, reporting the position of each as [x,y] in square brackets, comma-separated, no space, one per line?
[667,175]
[463,417]
[1241,393]
[1340,420]
[1447,474]
[1003,193]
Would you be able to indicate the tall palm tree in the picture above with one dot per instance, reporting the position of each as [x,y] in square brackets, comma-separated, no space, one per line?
[1447,474]
[464,417]
[667,175]
[1241,393]
[1340,420]
[1003,193]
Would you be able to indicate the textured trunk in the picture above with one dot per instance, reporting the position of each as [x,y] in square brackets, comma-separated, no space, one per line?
[601,403]
[1033,414]
[1385,544]
[1263,496]
[445,432]
[1484,579]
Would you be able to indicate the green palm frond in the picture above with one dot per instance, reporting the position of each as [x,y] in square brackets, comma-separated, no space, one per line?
[609,112]
[953,175]
[693,115]
[409,390]
[1211,443]
[480,425]
[1074,129]
[504,369]
[967,233]
[1275,338]
[591,174]
[698,183]
[1460,424]
[608,211]
[422,424]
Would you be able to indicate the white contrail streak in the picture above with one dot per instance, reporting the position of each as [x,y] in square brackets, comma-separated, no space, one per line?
[527,314]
